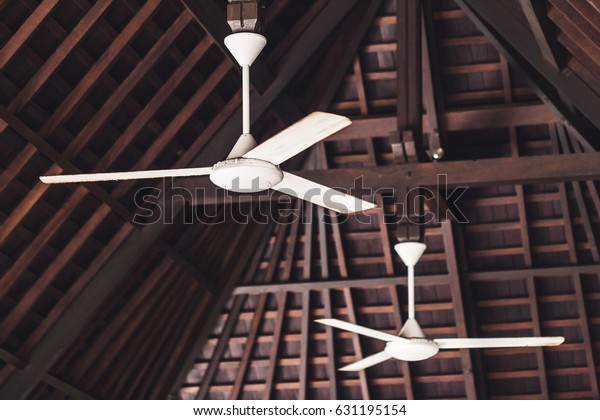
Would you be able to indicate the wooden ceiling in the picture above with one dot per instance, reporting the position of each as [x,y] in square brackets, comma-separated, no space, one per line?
[98,301]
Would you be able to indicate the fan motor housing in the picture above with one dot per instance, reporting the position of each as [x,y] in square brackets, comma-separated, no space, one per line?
[244,175]
[413,350]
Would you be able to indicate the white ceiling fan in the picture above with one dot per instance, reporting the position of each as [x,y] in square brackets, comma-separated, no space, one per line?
[411,344]
[250,167]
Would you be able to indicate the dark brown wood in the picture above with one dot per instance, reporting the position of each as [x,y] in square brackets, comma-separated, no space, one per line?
[360,87]
[282,229]
[104,62]
[500,171]
[430,88]
[336,284]
[517,43]
[308,235]
[305,328]
[256,237]
[270,377]
[330,345]
[49,379]
[220,348]
[458,306]
[587,340]
[542,29]
[25,31]
[409,72]
[333,68]
[57,57]
[364,384]
[587,224]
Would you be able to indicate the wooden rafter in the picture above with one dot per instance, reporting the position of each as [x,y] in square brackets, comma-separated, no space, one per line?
[542,29]
[25,31]
[484,172]
[459,311]
[514,40]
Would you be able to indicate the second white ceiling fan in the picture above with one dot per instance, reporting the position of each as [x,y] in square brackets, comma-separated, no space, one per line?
[411,344]
[250,167]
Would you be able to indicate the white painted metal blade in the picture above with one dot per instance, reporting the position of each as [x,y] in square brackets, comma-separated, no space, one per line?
[372,360]
[121,176]
[298,137]
[479,343]
[321,195]
[343,325]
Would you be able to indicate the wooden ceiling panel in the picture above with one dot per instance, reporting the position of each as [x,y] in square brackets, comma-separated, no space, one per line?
[135,85]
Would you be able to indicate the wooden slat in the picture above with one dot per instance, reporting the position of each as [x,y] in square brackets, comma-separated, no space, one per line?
[25,31]
[514,40]
[104,62]
[64,49]
[220,348]
[337,284]
[459,315]
[272,366]
[364,385]
[304,337]
[330,345]
[499,171]
[409,73]
[246,261]
[85,135]
[333,68]
[540,25]
[360,86]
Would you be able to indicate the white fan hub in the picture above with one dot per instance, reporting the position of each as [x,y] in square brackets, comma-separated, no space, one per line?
[245,175]
[412,350]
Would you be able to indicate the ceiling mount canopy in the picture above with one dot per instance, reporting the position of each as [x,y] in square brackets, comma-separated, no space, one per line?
[245,15]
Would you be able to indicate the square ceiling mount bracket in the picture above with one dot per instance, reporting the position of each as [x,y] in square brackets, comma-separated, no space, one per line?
[245,15]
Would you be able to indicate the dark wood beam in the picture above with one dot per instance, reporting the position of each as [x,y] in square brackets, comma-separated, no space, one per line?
[500,171]
[49,379]
[257,319]
[277,331]
[496,116]
[338,284]
[304,337]
[522,273]
[220,348]
[51,64]
[25,31]
[459,308]
[544,33]
[382,282]
[244,261]
[364,383]
[330,346]
[335,64]
[409,76]
[515,41]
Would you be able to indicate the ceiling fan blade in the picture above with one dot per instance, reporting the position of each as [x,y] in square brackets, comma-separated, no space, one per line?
[121,176]
[298,137]
[372,360]
[479,343]
[321,195]
[343,325]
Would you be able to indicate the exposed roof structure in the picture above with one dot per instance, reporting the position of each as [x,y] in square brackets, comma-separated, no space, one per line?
[214,296]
